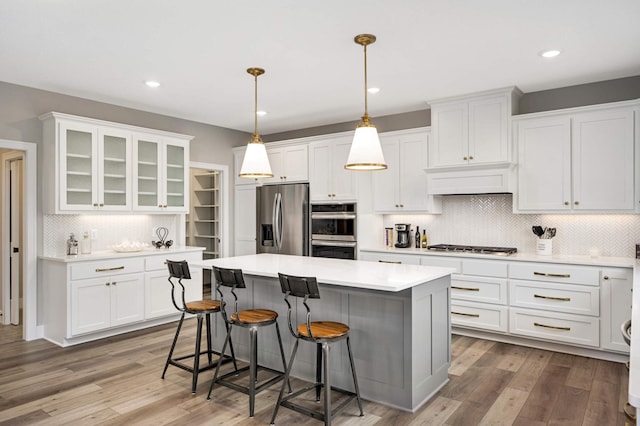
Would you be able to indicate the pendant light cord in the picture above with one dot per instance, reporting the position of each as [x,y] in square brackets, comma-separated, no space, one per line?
[255,108]
[366,109]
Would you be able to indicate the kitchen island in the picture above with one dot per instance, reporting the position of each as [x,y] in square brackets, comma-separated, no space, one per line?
[398,315]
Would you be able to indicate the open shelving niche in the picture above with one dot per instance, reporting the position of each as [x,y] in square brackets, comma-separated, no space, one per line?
[203,221]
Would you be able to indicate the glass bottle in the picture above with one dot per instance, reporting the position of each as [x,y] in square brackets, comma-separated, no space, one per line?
[72,245]
[424,239]
[85,244]
[417,237]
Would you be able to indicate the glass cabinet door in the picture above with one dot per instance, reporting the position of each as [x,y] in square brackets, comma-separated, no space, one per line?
[175,176]
[115,175]
[78,181]
[148,173]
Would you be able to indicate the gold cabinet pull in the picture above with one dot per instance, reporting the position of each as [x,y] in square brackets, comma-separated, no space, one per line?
[116,268]
[537,324]
[465,288]
[562,299]
[544,274]
[397,262]
[465,314]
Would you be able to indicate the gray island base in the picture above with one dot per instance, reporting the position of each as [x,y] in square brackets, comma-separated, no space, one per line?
[398,315]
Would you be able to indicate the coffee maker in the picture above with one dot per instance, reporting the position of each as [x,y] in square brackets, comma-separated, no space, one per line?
[403,232]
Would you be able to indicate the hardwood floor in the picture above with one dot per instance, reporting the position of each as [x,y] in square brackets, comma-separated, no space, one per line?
[116,381]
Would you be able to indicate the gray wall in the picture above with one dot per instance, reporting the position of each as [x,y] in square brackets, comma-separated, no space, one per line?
[20,107]
[621,89]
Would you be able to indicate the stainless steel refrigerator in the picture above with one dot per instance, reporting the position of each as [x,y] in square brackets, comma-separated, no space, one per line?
[283,219]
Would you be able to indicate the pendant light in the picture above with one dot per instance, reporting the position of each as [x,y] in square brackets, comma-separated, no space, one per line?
[366,152]
[255,164]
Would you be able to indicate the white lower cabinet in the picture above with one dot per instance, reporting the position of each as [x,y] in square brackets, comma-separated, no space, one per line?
[100,303]
[567,304]
[88,300]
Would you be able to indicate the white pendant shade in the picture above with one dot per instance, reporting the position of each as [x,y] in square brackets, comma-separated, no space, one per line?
[366,152]
[255,164]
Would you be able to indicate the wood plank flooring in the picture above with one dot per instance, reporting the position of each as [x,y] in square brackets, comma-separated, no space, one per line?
[116,381]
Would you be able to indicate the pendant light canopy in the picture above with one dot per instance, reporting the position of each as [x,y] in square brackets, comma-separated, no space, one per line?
[366,152]
[255,164]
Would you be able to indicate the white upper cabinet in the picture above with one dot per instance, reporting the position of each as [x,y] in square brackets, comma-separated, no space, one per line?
[472,130]
[579,160]
[328,180]
[402,187]
[161,174]
[288,164]
[89,166]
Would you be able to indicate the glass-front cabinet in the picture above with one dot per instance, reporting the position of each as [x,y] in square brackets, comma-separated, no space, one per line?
[94,168]
[160,174]
[93,165]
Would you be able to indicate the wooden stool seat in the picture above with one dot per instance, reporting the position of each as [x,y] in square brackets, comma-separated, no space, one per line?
[203,306]
[255,316]
[324,330]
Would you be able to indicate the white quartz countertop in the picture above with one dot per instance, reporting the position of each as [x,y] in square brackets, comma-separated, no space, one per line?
[620,262]
[110,254]
[348,273]
[634,357]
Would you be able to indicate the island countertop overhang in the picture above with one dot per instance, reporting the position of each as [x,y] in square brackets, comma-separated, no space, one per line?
[348,273]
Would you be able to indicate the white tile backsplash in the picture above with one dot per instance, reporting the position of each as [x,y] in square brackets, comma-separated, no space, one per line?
[488,220]
[111,229]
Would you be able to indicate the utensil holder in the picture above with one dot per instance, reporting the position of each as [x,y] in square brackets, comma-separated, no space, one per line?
[544,246]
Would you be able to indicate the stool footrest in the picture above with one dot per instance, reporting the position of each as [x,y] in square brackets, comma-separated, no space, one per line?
[241,388]
[176,362]
[319,415]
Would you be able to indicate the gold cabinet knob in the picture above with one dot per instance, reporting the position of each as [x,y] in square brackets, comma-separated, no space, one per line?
[464,158]
[95,204]
[576,203]
[471,157]
[566,203]
[107,284]
[605,277]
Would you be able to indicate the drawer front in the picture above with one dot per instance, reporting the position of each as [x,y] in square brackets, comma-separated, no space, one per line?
[476,315]
[569,298]
[486,268]
[479,289]
[549,272]
[158,262]
[390,258]
[104,268]
[564,328]
[445,262]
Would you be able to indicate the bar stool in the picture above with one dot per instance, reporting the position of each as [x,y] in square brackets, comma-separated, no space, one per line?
[253,319]
[629,410]
[202,309]
[323,334]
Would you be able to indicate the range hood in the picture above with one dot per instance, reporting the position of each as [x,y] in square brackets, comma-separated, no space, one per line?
[495,178]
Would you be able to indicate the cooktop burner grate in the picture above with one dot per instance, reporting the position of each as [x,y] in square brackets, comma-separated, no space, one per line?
[473,249]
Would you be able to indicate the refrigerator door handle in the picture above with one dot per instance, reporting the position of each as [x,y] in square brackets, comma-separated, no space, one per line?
[276,218]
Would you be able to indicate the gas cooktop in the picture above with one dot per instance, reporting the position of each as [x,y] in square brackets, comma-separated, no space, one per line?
[473,249]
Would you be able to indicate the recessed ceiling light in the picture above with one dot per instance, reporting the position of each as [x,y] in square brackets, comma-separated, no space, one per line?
[373,90]
[551,53]
[261,113]
[152,83]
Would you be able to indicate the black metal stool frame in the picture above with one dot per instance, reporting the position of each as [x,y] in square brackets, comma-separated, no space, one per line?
[180,270]
[234,279]
[307,288]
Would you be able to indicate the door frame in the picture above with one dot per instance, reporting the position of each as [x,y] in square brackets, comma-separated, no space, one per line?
[7,192]
[30,234]
[224,199]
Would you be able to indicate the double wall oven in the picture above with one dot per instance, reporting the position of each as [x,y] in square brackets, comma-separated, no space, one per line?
[333,231]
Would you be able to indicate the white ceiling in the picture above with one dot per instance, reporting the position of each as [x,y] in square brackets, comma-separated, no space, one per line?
[200,49]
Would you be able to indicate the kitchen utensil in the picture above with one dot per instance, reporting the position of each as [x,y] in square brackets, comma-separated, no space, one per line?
[538,231]
[550,233]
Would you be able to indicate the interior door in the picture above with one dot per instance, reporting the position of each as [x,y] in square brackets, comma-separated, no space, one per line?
[15,238]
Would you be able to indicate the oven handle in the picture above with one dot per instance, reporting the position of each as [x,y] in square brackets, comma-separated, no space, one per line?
[333,243]
[333,216]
